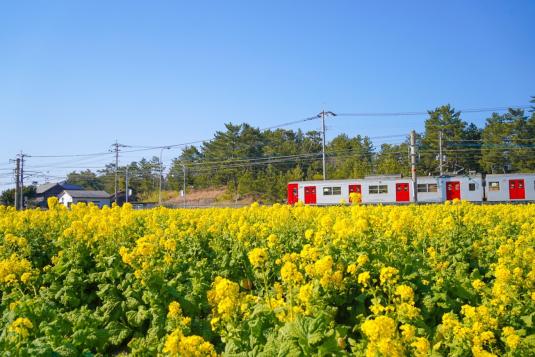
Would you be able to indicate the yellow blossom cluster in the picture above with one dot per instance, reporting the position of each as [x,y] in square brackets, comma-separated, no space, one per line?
[176,344]
[21,326]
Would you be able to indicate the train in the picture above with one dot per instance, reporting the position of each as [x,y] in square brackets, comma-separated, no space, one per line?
[396,189]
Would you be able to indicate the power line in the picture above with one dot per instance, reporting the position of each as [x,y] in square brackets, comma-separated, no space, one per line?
[392,114]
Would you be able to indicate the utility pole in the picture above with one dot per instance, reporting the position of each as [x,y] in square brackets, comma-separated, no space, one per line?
[161,176]
[184,184]
[17,184]
[21,200]
[126,183]
[116,147]
[322,116]
[413,164]
[440,156]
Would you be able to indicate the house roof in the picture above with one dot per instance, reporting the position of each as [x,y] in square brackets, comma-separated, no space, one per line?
[64,185]
[86,194]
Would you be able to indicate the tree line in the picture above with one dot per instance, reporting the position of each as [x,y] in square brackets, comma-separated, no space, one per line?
[247,161]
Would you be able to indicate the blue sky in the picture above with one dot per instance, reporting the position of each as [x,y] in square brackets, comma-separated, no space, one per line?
[76,75]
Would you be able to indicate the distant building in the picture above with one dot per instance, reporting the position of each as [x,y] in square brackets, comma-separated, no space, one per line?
[70,197]
[121,197]
[44,191]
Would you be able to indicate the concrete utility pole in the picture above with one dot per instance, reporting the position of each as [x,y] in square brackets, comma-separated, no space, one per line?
[413,165]
[322,116]
[116,147]
[126,183]
[17,184]
[161,176]
[440,156]
[21,200]
[184,184]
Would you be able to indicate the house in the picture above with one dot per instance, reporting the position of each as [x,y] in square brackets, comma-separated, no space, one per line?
[70,197]
[121,197]
[44,191]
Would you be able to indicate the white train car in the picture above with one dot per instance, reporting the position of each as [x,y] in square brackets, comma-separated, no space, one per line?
[510,187]
[387,189]
[430,189]
[372,189]
[327,192]
[469,188]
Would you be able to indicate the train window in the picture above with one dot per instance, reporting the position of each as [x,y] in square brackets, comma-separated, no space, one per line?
[471,186]
[494,186]
[376,189]
[427,187]
[332,191]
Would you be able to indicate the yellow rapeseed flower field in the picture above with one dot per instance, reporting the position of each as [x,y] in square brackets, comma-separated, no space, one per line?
[432,280]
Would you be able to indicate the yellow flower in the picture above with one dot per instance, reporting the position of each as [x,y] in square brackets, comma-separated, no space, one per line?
[352,269]
[272,240]
[257,257]
[174,310]
[380,327]
[388,275]
[364,278]
[290,274]
[405,292]
[478,284]
[421,346]
[305,293]
[25,277]
[362,259]
[512,340]
[408,331]
[21,326]
[176,344]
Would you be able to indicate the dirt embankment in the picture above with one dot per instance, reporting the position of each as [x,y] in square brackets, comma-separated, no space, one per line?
[216,197]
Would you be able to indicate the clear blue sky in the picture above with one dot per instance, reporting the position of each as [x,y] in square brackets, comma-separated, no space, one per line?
[76,75]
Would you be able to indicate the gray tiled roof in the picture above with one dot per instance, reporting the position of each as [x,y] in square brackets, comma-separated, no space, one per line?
[87,194]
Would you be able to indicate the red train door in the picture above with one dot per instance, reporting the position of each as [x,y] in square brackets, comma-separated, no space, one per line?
[354,189]
[517,191]
[310,194]
[293,196]
[402,192]
[453,190]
